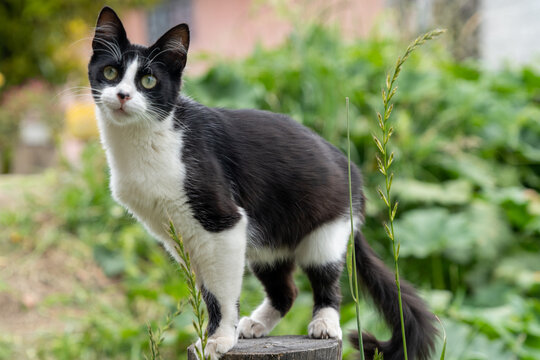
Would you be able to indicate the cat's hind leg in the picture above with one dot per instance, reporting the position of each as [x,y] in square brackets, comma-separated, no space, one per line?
[327,297]
[321,255]
[280,290]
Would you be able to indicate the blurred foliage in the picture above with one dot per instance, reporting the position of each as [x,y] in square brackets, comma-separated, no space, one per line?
[468,163]
[31,100]
[467,157]
[38,36]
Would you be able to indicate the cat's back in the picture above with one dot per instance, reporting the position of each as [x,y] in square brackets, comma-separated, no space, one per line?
[286,177]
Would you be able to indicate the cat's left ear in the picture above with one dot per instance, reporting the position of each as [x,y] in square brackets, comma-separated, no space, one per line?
[173,46]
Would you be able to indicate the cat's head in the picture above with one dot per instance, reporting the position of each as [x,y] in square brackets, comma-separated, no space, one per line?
[132,83]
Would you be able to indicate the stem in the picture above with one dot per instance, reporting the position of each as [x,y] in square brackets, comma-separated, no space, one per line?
[351,267]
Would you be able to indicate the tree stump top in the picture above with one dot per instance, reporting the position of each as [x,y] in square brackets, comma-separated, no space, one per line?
[282,348]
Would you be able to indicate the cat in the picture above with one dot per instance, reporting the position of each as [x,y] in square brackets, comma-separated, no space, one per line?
[241,186]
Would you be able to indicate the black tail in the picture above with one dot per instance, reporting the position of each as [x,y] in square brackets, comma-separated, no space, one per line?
[420,331]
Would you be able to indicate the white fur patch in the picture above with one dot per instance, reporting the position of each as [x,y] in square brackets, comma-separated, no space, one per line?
[326,244]
[325,324]
[261,321]
[134,110]
[127,85]
[216,347]
[146,173]
[267,256]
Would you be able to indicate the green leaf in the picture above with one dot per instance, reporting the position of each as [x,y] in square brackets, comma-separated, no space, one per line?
[390,132]
[378,143]
[389,112]
[390,160]
[477,232]
[379,118]
[392,93]
[464,342]
[380,165]
[392,217]
[383,197]
[388,231]
[453,192]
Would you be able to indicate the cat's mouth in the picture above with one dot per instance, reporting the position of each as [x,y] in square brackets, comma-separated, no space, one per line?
[121,111]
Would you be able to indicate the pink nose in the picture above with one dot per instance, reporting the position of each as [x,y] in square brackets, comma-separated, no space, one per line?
[123,97]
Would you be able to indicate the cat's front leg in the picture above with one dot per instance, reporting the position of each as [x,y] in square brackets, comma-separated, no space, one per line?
[218,260]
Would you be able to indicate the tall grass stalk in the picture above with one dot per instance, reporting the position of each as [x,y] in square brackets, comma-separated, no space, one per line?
[195,298]
[351,254]
[385,162]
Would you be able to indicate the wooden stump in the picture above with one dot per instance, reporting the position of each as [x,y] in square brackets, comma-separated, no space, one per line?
[282,348]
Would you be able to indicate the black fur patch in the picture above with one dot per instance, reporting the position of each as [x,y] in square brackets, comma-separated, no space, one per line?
[214,311]
[288,179]
[278,283]
[324,281]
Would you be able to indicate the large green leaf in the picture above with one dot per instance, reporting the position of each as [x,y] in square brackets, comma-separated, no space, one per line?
[478,231]
[454,192]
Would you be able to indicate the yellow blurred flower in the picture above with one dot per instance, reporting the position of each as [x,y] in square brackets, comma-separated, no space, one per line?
[2,80]
[81,121]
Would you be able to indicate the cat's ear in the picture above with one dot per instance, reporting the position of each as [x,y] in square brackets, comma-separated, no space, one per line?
[173,46]
[109,29]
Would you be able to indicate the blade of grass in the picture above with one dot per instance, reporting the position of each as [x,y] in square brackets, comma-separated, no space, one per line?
[443,352]
[351,255]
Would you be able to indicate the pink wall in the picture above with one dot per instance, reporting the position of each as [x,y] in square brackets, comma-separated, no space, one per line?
[135,23]
[233,27]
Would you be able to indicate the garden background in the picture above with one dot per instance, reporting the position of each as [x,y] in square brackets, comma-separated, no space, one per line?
[80,279]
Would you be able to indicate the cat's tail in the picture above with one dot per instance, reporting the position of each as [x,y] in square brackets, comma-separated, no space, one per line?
[380,282]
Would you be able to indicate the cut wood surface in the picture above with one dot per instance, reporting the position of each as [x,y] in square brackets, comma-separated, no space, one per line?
[282,348]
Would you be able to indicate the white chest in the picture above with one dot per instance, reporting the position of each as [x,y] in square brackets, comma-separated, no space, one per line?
[147,175]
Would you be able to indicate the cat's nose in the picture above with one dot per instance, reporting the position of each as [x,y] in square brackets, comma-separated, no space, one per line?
[123,96]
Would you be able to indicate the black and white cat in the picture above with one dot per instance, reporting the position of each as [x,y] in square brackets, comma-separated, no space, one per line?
[240,185]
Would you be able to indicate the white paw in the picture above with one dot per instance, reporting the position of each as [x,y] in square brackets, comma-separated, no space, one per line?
[216,347]
[249,328]
[324,328]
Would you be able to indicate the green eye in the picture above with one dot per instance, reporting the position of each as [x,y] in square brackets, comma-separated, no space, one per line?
[148,81]
[110,73]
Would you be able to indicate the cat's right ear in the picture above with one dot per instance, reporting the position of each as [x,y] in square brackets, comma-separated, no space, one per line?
[109,29]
